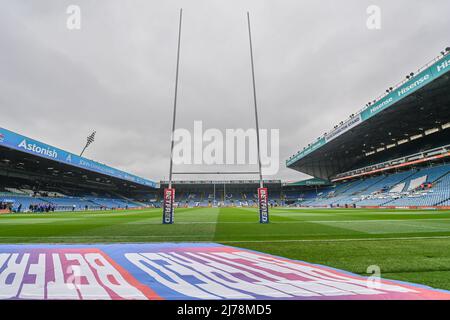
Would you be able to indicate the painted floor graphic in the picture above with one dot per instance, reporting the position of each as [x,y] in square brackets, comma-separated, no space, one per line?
[180,271]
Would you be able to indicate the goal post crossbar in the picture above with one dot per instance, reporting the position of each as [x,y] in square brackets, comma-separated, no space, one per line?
[219,172]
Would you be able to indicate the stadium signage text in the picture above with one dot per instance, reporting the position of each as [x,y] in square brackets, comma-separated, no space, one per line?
[409,87]
[263,205]
[308,150]
[180,271]
[169,196]
[444,65]
[344,128]
[62,275]
[382,105]
[47,151]
[413,85]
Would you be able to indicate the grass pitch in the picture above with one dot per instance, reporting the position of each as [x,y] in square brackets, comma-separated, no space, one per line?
[407,245]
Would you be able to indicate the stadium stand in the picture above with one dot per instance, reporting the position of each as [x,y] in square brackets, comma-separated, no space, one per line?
[426,186]
[38,177]
[393,153]
[59,202]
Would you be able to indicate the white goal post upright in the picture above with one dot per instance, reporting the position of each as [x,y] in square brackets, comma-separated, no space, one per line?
[262,192]
[169,192]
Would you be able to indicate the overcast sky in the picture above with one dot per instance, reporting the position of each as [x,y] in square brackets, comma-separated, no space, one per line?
[316,63]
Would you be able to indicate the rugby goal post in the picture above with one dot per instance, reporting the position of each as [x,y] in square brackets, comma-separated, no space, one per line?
[169,192]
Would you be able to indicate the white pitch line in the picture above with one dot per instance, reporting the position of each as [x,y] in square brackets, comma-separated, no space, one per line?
[246,241]
[293,222]
[157,222]
[378,220]
[336,240]
[117,236]
[423,227]
[360,211]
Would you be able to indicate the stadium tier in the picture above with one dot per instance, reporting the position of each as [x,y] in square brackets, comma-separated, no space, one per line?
[393,153]
[420,187]
[38,177]
[240,193]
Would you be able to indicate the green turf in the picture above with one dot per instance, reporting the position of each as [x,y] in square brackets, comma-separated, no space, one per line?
[407,245]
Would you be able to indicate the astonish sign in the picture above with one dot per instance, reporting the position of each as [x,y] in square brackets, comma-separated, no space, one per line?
[181,271]
[32,147]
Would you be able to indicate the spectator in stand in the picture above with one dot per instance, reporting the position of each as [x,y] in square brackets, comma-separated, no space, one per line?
[5,206]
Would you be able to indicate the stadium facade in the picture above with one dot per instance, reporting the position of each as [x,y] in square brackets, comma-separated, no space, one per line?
[393,153]
[36,176]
